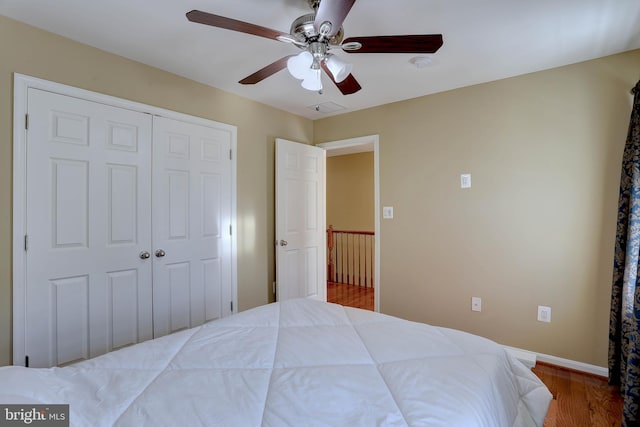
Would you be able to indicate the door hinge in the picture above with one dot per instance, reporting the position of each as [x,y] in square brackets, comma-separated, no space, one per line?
[26,242]
[26,121]
[26,361]
[231,304]
[230,230]
[230,154]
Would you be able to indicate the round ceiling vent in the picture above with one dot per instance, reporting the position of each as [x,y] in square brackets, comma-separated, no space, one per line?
[421,61]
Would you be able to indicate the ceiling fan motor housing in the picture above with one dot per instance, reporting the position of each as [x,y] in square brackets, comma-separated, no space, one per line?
[302,30]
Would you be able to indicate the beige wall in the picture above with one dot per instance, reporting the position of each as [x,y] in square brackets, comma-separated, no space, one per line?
[30,51]
[538,224]
[350,192]
[537,227]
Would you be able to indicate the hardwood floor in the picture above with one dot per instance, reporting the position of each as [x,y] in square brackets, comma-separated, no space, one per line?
[350,295]
[579,399]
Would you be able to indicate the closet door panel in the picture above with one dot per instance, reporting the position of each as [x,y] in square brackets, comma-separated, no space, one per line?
[192,216]
[87,219]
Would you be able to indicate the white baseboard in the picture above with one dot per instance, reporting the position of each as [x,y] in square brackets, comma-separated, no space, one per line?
[576,366]
[529,359]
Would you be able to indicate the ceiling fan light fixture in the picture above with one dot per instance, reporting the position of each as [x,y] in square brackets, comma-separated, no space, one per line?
[340,69]
[315,65]
[313,81]
[299,66]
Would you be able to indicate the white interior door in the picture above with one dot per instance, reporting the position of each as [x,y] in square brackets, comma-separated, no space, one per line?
[87,219]
[300,221]
[191,224]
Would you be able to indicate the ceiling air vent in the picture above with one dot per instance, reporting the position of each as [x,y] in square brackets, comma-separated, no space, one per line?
[326,107]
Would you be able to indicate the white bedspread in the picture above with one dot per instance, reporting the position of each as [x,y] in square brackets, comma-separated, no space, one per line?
[296,363]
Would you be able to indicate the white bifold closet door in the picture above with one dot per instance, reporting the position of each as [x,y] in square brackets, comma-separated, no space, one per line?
[127,222]
[191,220]
[88,218]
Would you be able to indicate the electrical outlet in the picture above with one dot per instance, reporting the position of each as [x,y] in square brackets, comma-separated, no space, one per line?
[476,304]
[544,313]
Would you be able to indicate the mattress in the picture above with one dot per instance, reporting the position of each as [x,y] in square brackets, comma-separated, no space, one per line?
[295,363]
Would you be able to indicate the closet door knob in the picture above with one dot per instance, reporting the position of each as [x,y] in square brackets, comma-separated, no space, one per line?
[283,243]
[160,253]
[144,255]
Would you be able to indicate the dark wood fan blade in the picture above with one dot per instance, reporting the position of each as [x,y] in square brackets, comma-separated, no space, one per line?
[347,86]
[422,43]
[333,11]
[233,24]
[265,72]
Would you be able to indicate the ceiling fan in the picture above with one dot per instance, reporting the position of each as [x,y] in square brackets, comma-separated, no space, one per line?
[316,34]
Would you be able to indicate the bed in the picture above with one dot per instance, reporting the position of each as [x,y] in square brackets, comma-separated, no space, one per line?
[294,363]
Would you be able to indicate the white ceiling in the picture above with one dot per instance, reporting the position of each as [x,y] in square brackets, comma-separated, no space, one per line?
[484,40]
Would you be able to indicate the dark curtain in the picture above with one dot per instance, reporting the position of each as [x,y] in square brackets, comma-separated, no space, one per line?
[624,325]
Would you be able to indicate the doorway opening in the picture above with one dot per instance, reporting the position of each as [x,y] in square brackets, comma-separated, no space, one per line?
[353,222]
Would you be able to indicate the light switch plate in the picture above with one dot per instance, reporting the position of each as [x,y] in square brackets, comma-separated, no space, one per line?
[387,212]
[465,180]
[476,304]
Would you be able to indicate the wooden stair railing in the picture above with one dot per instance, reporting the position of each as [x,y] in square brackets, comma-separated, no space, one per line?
[350,257]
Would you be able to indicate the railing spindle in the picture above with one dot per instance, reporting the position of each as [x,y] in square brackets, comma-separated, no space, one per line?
[350,257]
